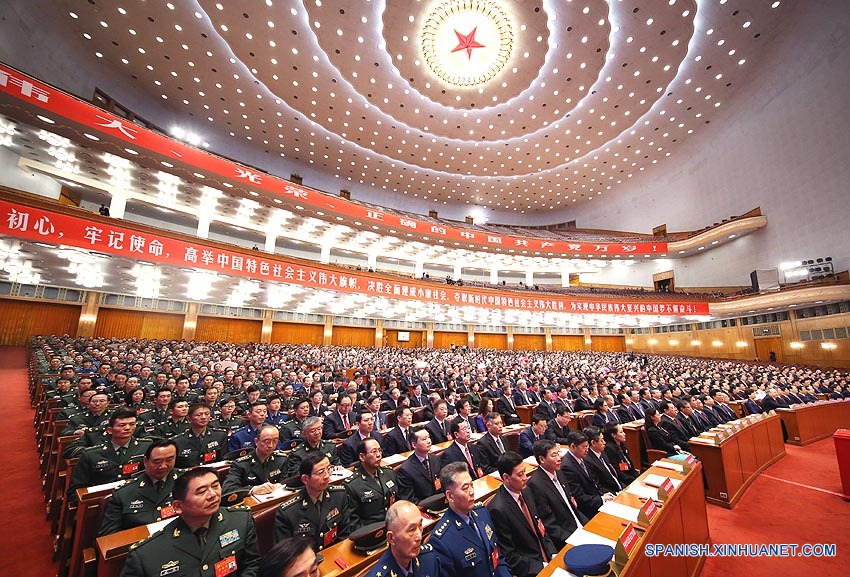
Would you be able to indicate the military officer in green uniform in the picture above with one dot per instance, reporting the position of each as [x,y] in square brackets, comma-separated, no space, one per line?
[96,415]
[206,540]
[146,498]
[372,488]
[176,422]
[312,442]
[319,510]
[120,457]
[291,429]
[201,444]
[262,470]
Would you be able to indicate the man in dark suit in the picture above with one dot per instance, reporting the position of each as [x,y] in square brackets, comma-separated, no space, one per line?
[198,537]
[673,426]
[506,407]
[624,410]
[558,428]
[521,394]
[365,430]
[563,399]
[522,535]
[686,417]
[418,476]
[464,413]
[583,402]
[438,427]
[417,399]
[582,485]
[462,450]
[597,463]
[339,421]
[399,439]
[531,434]
[551,491]
[491,445]
[546,406]
[317,406]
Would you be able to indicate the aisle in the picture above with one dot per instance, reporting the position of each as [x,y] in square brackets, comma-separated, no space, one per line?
[24,532]
[795,501]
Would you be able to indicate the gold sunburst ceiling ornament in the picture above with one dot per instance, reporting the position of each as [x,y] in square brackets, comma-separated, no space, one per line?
[467,42]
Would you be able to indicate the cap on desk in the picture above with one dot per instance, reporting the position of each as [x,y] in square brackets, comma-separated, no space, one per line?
[589,560]
[369,537]
[234,498]
[434,505]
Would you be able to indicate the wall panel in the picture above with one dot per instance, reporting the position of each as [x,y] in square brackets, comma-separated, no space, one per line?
[567,342]
[23,319]
[118,323]
[230,330]
[445,340]
[353,337]
[297,333]
[529,342]
[491,341]
[391,340]
[607,343]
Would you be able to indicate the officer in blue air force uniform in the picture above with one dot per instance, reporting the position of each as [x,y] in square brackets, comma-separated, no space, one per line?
[406,556]
[464,539]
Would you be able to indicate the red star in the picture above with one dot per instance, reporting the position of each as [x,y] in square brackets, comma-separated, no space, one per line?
[467,42]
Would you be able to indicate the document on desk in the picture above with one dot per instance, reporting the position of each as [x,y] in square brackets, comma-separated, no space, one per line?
[476,436]
[657,480]
[340,474]
[558,572]
[105,486]
[280,492]
[584,537]
[620,510]
[641,490]
[668,465]
[154,527]
[393,460]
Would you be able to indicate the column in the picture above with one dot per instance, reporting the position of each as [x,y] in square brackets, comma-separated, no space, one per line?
[494,276]
[204,221]
[372,261]
[529,278]
[325,256]
[470,336]
[418,269]
[588,340]
[271,241]
[458,270]
[510,338]
[429,336]
[268,323]
[88,315]
[327,336]
[190,321]
[548,332]
[565,278]
[379,333]
[117,204]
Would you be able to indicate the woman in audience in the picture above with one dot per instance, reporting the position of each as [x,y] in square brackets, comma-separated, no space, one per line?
[600,417]
[658,438]
[135,399]
[618,453]
[485,408]
[474,397]
[751,405]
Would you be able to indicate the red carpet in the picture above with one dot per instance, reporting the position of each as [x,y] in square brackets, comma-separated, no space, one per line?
[775,511]
[26,540]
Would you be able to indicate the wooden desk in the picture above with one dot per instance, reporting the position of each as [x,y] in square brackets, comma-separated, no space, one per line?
[525,412]
[682,519]
[633,441]
[732,465]
[809,423]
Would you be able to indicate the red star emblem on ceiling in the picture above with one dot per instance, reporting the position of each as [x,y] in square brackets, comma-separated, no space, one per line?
[467,42]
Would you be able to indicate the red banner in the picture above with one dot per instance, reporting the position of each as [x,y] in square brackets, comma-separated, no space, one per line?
[49,99]
[46,226]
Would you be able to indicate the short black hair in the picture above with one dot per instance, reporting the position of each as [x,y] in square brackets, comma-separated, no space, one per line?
[158,444]
[121,413]
[508,462]
[592,433]
[311,460]
[542,447]
[280,558]
[576,438]
[537,417]
[198,406]
[181,484]
[562,410]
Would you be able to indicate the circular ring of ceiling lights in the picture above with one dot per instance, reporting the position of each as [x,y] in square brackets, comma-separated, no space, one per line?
[467,42]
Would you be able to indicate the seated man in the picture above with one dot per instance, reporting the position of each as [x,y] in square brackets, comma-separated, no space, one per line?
[176,422]
[200,444]
[339,421]
[119,457]
[204,540]
[146,498]
[462,450]
[548,485]
[405,554]
[583,485]
[372,488]
[531,434]
[558,428]
[365,430]
[399,439]
[491,445]
[520,531]
[598,464]
[244,437]
[464,538]
[505,406]
[319,510]
[418,476]
[311,442]
[438,427]
[260,471]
